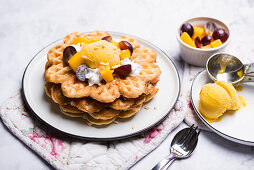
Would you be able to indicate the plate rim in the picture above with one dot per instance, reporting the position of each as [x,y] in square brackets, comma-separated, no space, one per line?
[96,138]
[226,136]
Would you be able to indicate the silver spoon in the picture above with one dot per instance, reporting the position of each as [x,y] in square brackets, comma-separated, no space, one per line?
[229,68]
[183,144]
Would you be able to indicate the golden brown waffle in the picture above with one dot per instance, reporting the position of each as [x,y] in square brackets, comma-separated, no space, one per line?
[55,55]
[132,111]
[142,55]
[58,73]
[121,103]
[133,41]
[100,105]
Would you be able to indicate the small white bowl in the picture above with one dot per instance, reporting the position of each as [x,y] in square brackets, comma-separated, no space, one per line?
[199,56]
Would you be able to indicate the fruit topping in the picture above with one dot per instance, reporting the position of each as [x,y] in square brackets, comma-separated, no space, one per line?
[123,70]
[76,60]
[68,53]
[187,39]
[216,43]
[81,72]
[186,27]
[106,73]
[125,45]
[198,32]
[209,27]
[125,54]
[221,34]
[206,40]
[198,42]
[83,40]
[107,38]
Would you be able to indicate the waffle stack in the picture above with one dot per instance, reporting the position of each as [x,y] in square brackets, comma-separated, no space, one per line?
[100,105]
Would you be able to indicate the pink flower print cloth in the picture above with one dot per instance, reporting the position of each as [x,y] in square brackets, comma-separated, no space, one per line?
[68,153]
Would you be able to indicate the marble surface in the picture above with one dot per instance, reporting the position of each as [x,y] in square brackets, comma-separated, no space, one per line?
[28,26]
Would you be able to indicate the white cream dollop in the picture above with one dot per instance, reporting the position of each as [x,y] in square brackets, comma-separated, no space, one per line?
[78,47]
[135,68]
[93,76]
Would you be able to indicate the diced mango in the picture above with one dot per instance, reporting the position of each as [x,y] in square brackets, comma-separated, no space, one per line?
[125,54]
[106,73]
[198,32]
[76,60]
[83,40]
[187,39]
[216,43]
[207,46]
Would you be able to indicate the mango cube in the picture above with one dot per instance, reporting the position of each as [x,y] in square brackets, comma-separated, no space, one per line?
[83,40]
[207,46]
[198,32]
[125,54]
[76,60]
[106,73]
[216,43]
[187,39]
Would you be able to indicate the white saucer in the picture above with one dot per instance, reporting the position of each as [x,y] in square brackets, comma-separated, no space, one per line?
[236,126]
[47,111]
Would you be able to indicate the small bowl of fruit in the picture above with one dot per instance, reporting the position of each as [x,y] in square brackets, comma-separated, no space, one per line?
[200,38]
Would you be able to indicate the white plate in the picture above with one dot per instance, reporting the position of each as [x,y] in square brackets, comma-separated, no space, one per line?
[46,110]
[236,126]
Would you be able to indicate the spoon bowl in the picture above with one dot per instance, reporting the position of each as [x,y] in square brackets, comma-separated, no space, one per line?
[225,67]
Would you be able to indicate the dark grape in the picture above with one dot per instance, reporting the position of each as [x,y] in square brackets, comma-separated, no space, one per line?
[81,72]
[107,38]
[125,45]
[68,53]
[198,42]
[123,70]
[186,27]
[221,34]
[209,27]
[206,40]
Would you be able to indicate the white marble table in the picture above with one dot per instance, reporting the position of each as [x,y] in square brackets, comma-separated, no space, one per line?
[28,26]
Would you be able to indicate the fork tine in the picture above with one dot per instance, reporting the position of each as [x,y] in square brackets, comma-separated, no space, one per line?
[193,140]
[190,136]
[183,137]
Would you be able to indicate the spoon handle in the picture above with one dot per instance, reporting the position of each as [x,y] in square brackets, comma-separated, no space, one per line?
[164,163]
[249,68]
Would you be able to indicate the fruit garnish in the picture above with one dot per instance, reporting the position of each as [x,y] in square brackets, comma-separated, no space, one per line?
[206,40]
[207,46]
[198,42]
[81,72]
[106,73]
[123,70]
[68,53]
[221,34]
[125,45]
[125,54]
[209,27]
[216,43]
[76,60]
[186,27]
[83,40]
[198,32]
[187,39]
[107,38]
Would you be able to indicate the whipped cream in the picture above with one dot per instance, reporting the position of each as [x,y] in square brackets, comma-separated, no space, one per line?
[78,47]
[135,68]
[93,76]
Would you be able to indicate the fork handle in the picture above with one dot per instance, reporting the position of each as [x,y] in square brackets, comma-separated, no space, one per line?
[164,163]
